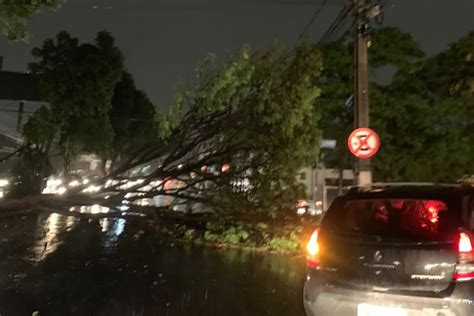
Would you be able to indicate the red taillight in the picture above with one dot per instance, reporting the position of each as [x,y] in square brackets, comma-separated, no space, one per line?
[465,267]
[312,247]
[464,243]
[463,276]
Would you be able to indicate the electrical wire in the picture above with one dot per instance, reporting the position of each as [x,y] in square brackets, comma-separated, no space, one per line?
[312,20]
[336,26]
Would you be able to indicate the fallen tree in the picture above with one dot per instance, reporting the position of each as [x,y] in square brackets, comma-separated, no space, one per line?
[254,115]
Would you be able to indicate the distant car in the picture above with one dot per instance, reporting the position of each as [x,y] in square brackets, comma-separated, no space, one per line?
[394,250]
[313,208]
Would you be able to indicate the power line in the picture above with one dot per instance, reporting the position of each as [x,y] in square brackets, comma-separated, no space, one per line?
[312,20]
[336,26]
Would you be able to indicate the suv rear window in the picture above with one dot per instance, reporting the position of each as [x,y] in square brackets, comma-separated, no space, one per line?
[394,219]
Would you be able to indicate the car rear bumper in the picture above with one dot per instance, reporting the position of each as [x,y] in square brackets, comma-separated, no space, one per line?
[321,300]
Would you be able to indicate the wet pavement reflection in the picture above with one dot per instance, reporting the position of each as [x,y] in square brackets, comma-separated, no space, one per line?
[116,267]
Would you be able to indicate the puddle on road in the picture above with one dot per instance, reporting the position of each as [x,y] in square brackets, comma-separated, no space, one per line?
[112,228]
[115,273]
[49,230]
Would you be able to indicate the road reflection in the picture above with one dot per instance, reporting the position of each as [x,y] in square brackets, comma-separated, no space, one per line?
[112,229]
[49,229]
[114,266]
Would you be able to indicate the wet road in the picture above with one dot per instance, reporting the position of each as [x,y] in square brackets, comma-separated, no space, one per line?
[58,265]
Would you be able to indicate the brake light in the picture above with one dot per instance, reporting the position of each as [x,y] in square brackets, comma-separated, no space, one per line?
[464,244]
[465,267]
[312,248]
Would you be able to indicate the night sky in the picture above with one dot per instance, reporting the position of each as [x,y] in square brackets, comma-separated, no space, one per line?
[162,40]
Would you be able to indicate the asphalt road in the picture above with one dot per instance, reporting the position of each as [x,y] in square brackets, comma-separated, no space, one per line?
[59,266]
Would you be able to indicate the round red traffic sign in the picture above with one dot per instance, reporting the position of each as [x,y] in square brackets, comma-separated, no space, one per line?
[363,143]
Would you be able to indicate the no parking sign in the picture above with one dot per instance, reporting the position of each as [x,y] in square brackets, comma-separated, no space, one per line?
[363,143]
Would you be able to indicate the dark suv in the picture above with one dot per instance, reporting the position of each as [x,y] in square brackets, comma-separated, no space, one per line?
[394,250]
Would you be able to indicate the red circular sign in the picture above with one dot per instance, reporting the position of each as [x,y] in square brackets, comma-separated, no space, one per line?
[363,143]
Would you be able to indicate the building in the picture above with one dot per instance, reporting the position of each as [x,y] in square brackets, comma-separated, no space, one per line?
[325,184]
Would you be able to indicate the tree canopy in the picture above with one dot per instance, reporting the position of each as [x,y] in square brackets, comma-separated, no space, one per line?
[422,116]
[78,81]
[425,117]
[252,115]
[14,15]
[132,116]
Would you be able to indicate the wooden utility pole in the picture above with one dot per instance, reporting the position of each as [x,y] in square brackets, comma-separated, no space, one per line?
[364,12]
[19,121]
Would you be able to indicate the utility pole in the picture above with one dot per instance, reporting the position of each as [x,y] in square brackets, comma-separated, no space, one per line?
[19,121]
[364,12]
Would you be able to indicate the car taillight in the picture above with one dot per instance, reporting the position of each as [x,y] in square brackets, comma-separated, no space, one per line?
[312,248]
[465,267]
[464,243]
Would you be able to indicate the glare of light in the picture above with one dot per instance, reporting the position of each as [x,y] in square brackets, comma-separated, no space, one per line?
[85,181]
[55,182]
[123,208]
[144,202]
[433,214]
[146,188]
[3,183]
[74,183]
[70,221]
[53,222]
[300,210]
[105,223]
[92,189]
[96,209]
[119,226]
[225,168]
[1,194]
[61,190]
[155,183]
[180,166]
[465,244]
[313,247]
[107,197]
[301,203]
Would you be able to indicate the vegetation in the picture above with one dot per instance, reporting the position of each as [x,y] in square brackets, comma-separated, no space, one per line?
[15,14]
[261,114]
[423,116]
[287,234]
